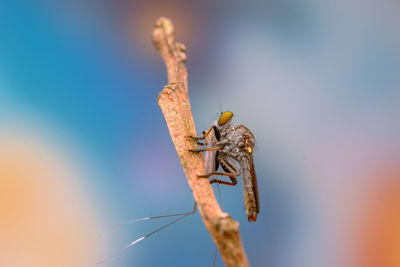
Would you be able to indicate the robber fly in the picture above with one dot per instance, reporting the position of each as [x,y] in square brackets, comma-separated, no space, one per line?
[231,147]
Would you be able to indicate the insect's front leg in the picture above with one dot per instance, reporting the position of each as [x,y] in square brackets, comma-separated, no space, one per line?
[197,139]
[202,137]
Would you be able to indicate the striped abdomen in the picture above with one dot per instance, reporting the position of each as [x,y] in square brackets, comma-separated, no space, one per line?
[251,204]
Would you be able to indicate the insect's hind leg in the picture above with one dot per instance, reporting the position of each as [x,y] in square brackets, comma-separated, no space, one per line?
[231,176]
[230,168]
[219,181]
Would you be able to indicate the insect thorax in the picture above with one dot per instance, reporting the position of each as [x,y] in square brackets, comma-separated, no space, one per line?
[236,140]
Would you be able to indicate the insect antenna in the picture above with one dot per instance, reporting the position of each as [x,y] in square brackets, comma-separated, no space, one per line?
[183,215]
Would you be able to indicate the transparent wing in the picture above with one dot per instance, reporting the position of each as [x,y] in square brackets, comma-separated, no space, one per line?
[210,157]
[254,182]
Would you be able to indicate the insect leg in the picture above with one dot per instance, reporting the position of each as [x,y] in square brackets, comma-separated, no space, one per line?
[203,136]
[228,165]
[195,138]
[207,175]
[231,176]
[219,181]
[205,149]
[230,168]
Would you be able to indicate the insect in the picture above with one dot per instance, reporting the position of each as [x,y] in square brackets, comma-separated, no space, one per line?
[231,147]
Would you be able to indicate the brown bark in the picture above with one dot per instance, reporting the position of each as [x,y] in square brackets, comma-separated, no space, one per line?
[175,105]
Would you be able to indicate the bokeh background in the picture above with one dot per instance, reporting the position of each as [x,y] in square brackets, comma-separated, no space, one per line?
[83,144]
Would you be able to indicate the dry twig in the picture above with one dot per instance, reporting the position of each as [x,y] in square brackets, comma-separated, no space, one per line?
[174,103]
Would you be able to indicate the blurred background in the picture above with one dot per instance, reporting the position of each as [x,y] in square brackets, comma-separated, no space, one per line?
[83,144]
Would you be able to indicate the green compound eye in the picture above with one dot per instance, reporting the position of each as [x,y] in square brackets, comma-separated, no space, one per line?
[225,117]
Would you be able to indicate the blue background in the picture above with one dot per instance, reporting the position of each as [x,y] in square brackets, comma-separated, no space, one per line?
[317,83]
